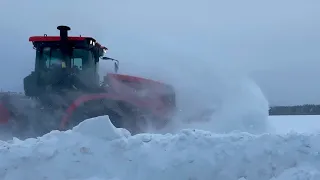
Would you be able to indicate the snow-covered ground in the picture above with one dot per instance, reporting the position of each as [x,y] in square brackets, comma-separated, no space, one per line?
[113,154]
[300,124]
[239,142]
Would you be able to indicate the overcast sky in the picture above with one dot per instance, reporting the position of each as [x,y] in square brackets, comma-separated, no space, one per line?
[276,42]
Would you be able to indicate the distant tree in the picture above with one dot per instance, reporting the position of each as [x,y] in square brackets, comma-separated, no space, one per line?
[306,109]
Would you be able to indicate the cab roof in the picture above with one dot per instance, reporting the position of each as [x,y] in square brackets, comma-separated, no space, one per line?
[58,38]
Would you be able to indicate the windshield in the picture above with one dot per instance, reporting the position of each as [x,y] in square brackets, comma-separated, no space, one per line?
[53,57]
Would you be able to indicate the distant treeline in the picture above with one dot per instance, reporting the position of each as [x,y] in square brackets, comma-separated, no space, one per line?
[306,109]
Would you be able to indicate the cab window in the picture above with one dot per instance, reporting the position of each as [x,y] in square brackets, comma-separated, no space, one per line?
[52,57]
[80,57]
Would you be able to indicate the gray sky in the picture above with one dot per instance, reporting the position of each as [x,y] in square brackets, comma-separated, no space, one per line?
[276,42]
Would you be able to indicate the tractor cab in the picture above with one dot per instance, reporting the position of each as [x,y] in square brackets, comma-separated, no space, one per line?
[64,62]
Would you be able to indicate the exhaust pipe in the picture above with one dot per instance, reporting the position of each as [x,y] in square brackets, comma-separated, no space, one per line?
[64,44]
[64,32]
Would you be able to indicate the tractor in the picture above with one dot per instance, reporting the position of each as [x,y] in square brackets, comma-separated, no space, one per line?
[65,89]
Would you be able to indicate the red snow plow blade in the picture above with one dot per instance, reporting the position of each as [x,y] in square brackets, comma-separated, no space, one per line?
[64,89]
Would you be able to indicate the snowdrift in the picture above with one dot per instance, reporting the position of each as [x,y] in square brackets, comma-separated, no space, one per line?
[95,150]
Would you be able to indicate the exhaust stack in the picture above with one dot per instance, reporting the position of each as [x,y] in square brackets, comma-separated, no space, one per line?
[64,44]
[64,32]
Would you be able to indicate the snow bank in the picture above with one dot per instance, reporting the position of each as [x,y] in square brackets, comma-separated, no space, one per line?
[95,150]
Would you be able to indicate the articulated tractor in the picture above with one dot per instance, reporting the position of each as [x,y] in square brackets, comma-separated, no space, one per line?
[65,89]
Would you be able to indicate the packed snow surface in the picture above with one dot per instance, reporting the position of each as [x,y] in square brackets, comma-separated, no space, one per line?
[297,123]
[108,153]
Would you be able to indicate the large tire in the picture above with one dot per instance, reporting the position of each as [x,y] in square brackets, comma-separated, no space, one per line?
[31,88]
[91,109]
[115,119]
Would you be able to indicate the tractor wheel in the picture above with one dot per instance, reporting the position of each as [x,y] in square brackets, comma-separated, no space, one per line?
[116,119]
[30,87]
